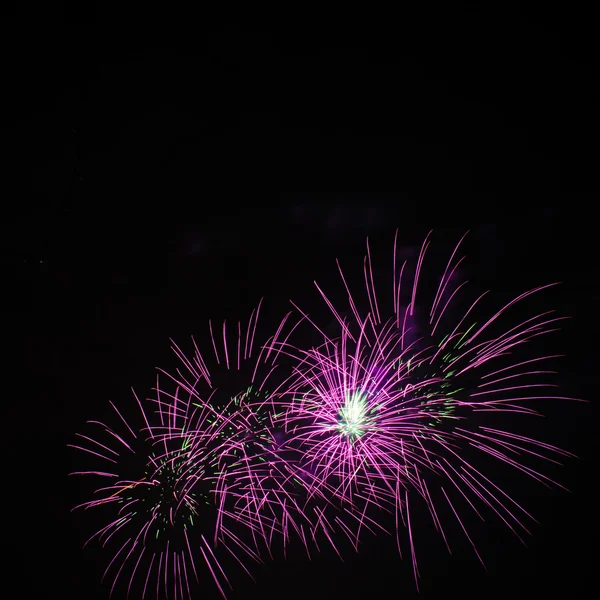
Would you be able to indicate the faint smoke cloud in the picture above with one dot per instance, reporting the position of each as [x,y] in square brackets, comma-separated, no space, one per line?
[340,219]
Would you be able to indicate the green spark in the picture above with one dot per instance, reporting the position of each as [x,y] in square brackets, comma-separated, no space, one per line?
[355,416]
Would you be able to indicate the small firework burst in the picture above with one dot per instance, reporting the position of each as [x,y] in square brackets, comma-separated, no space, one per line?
[257,485]
[177,489]
[158,494]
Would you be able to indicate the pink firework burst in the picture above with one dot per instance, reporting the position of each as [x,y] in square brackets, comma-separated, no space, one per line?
[392,408]
[155,497]
[257,484]
[195,475]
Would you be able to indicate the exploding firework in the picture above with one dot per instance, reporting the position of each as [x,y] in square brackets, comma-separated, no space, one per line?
[391,407]
[166,503]
[155,496]
[249,443]
[257,484]
[199,473]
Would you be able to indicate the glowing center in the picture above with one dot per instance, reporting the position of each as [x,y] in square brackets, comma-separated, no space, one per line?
[353,416]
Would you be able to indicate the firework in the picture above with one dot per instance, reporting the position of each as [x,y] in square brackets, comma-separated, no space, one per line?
[256,484]
[161,502]
[199,472]
[390,409]
[254,440]
[151,498]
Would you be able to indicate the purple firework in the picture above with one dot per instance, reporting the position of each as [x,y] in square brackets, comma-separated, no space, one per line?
[391,408]
[167,491]
[199,473]
[256,485]
[158,501]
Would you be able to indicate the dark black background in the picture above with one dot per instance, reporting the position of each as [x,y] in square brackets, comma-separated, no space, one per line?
[170,165]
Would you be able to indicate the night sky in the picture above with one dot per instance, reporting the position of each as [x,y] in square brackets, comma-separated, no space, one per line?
[168,167]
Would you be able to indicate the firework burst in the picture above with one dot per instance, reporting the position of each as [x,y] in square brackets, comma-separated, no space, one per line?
[254,441]
[391,407]
[155,495]
[189,476]
[257,484]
